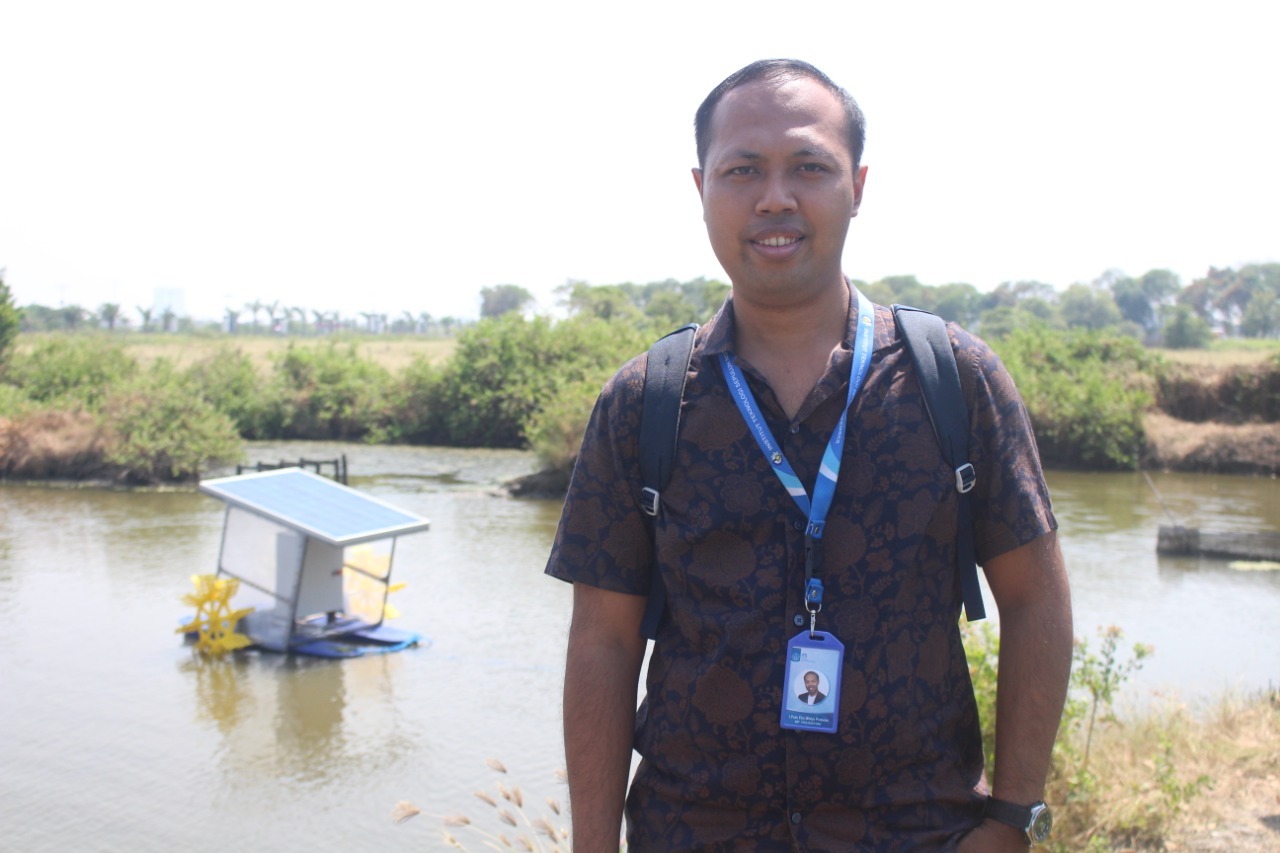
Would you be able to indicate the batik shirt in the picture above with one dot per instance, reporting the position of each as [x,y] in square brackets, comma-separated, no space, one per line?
[717,771]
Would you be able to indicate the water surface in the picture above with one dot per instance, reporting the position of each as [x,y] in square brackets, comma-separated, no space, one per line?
[115,736]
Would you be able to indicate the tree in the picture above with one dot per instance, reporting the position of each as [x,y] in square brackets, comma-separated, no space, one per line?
[605,301]
[1262,316]
[254,307]
[503,299]
[233,316]
[145,314]
[10,320]
[1186,329]
[109,313]
[1084,307]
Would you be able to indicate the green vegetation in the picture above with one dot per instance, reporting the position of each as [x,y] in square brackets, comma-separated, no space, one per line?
[511,380]
[1107,791]
[1086,393]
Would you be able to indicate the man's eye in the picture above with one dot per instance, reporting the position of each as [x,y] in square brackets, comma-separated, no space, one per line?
[812,167]
[742,170]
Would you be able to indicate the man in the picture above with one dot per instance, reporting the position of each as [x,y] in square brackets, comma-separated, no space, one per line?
[811,695]
[793,349]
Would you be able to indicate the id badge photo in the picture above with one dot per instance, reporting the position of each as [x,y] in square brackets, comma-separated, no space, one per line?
[811,684]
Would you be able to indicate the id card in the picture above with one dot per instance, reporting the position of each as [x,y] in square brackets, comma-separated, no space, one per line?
[811,685]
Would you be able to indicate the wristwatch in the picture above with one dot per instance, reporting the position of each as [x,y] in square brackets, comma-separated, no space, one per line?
[1035,820]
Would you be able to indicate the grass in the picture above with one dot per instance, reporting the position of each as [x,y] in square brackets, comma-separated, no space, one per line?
[394,352]
[1171,779]
[1225,353]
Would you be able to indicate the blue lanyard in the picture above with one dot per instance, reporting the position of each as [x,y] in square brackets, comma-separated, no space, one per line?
[829,472]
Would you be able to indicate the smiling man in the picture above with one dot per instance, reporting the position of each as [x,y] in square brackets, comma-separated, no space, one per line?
[803,420]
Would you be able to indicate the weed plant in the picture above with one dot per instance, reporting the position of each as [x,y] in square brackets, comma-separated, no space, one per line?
[1128,793]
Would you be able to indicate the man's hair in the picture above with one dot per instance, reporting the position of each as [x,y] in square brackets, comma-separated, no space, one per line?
[779,70]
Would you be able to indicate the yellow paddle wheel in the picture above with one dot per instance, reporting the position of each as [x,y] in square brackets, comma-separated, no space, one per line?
[215,622]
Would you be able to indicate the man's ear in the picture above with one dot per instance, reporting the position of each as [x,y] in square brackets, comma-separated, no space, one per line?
[859,181]
[697,180]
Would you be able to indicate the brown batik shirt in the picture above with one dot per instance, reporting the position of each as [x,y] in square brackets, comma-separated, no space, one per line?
[717,771]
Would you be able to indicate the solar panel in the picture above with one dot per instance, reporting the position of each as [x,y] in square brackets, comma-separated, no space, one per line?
[315,505]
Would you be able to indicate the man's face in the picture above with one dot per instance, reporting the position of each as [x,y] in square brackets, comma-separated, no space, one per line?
[778,189]
[811,683]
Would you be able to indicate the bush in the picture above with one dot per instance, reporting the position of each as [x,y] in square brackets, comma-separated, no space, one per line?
[231,383]
[70,372]
[505,369]
[1086,393]
[163,430]
[329,392]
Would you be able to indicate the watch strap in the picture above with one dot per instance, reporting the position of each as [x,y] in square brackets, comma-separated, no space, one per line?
[1034,821]
[1019,817]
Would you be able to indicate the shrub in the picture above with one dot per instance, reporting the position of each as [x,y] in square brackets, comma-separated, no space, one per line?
[329,392]
[1086,393]
[163,430]
[71,371]
[231,383]
[504,369]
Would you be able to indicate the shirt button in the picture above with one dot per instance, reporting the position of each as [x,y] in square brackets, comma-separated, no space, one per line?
[795,817]
[798,619]
[795,428]
[797,524]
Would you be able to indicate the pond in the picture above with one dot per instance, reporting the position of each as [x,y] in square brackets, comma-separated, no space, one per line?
[115,735]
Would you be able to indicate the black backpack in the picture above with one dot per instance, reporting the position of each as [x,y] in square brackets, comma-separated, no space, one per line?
[925,335]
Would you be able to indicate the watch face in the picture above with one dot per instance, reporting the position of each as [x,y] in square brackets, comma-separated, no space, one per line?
[1041,824]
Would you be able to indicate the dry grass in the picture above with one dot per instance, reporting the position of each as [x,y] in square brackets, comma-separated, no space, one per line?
[393,352]
[52,445]
[1185,782]
[1225,448]
[1223,356]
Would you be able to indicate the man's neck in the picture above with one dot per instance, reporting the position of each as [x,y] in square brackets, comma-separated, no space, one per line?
[791,344]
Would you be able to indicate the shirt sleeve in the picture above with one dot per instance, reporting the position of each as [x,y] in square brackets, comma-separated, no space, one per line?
[604,538]
[1011,505]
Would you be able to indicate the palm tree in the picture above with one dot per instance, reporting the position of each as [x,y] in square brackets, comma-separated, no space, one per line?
[145,313]
[232,316]
[109,312]
[319,320]
[255,306]
[301,314]
[167,318]
[271,314]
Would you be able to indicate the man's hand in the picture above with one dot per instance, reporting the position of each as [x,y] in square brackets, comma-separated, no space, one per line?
[602,669]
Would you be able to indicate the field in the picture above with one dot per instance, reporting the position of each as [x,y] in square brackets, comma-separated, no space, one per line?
[393,352]
[1225,353]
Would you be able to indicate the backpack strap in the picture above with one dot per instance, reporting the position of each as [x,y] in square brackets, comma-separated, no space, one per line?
[925,336]
[664,378]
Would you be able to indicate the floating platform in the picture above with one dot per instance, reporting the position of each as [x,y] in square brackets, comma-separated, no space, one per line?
[312,558]
[1192,541]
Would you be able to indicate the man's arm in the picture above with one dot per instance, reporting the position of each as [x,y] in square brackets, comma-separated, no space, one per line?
[1030,589]
[602,670]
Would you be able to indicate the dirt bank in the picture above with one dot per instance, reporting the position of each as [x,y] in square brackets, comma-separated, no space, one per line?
[1177,445]
[1216,418]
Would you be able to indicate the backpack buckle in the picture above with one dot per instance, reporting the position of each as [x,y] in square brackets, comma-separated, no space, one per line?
[649,498]
[965,478]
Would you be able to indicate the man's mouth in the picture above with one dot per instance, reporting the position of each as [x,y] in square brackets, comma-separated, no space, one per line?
[778,242]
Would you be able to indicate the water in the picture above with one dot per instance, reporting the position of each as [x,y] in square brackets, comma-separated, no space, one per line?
[115,736]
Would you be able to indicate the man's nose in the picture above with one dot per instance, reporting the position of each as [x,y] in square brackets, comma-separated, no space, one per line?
[776,196]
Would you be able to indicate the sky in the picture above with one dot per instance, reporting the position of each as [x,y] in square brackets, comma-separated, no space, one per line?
[386,157]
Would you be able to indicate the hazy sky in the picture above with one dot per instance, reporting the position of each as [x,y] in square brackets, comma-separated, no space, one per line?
[390,156]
